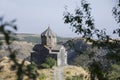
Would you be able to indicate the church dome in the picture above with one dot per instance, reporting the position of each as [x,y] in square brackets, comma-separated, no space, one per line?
[48,38]
[48,32]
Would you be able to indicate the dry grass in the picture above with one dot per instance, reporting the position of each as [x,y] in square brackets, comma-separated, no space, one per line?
[47,72]
[70,71]
[7,74]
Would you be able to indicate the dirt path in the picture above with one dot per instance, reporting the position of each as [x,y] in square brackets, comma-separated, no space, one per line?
[58,73]
[55,73]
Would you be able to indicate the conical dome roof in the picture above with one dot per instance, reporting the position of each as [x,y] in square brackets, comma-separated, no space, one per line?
[48,32]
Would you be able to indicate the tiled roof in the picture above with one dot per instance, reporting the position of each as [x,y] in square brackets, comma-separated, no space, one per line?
[57,47]
[48,32]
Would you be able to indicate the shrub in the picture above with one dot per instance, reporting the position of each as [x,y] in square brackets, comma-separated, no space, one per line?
[42,77]
[68,72]
[49,62]
[114,73]
[45,65]
[80,77]
[77,77]
[68,78]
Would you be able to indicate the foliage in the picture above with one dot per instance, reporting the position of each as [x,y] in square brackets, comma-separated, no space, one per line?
[83,23]
[42,77]
[68,78]
[68,72]
[96,71]
[45,65]
[114,72]
[49,62]
[9,36]
[116,13]
[80,77]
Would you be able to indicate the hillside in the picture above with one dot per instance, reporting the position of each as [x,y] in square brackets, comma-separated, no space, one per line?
[24,44]
[45,74]
[102,59]
[23,49]
[80,54]
[35,38]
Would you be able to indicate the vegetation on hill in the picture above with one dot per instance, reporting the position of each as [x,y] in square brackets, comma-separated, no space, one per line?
[107,51]
[49,62]
[34,38]
[96,59]
[7,72]
[103,59]
[19,67]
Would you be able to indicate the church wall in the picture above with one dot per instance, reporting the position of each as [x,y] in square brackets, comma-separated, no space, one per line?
[43,39]
[40,52]
[58,59]
[39,57]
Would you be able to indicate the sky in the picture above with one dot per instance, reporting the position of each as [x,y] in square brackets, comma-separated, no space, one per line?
[34,16]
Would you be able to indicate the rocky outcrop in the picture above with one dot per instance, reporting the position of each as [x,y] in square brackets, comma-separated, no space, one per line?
[22,49]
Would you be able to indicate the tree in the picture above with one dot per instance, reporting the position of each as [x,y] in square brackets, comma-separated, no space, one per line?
[9,36]
[83,23]
[116,13]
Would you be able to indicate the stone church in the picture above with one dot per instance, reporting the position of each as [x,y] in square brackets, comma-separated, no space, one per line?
[49,48]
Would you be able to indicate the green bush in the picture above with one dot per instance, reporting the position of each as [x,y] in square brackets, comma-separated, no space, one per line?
[68,78]
[42,77]
[77,77]
[68,72]
[49,62]
[114,73]
[45,65]
[80,77]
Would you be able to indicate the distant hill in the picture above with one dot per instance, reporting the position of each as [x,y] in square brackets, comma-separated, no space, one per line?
[24,44]
[35,38]
[81,53]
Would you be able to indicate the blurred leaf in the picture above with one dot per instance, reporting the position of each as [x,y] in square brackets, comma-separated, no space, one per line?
[13,21]
[1,18]
[15,27]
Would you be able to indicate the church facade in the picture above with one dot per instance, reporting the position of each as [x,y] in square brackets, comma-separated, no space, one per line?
[49,48]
